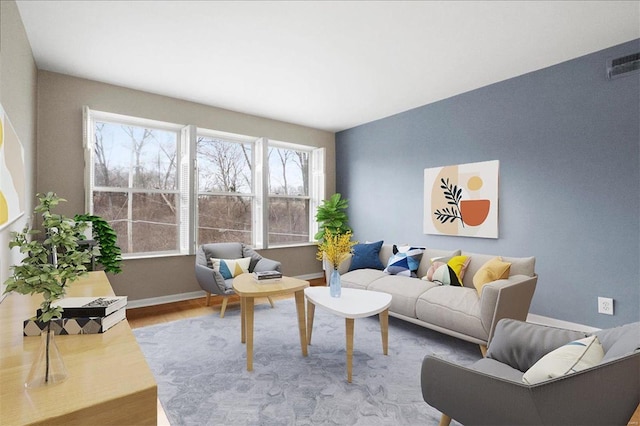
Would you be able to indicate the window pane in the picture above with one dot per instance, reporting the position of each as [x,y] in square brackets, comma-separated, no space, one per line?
[150,225]
[223,166]
[288,172]
[113,207]
[288,221]
[134,157]
[224,219]
[155,222]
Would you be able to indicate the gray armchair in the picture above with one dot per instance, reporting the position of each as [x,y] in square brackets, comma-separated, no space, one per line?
[212,282]
[491,391]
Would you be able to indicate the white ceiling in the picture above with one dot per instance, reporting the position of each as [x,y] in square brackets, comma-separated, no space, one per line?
[325,64]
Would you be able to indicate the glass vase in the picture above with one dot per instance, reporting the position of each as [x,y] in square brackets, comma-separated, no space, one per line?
[48,368]
[335,287]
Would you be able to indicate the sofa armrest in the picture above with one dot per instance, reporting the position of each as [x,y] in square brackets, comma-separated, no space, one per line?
[265,264]
[508,298]
[343,267]
[473,397]
[210,280]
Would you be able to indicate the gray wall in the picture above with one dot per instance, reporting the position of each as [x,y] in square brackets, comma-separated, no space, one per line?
[61,166]
[568,144]
[18,76]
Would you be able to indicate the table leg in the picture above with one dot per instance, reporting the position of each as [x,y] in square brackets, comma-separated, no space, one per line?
[349,326]
[311,308]
[301,321]
[249,332]
[384,328]
[243,327]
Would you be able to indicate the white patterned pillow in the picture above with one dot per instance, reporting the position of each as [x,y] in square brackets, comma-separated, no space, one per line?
[229,268]
[570,358]
[405,261]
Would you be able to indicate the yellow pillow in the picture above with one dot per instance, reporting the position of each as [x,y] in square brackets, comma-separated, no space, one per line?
[494,269]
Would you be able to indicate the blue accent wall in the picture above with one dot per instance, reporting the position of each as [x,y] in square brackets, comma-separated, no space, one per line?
[568,141]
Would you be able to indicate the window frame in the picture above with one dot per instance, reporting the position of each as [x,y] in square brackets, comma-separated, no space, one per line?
[187,191]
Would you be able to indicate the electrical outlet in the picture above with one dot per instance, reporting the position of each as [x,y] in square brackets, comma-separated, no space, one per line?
[605,305]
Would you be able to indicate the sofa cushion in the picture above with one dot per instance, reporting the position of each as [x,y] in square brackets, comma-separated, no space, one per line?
[497,369]
[229,268]
[458,264]
[445,275]
[453,308]
[361,278]
[519,265]
[405,261]
[366,256]
[570,358]
[404,291]
[222,251]
[494,269]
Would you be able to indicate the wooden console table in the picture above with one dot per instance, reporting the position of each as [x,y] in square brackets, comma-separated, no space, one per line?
[109,380]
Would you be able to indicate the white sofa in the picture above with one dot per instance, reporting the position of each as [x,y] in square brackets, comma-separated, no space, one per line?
[458,311]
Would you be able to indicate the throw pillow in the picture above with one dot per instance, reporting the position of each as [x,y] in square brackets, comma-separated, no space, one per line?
[445,275]
[405,261]
[494,269]
[457,263]
[570,358]
[366,256]
[229,268]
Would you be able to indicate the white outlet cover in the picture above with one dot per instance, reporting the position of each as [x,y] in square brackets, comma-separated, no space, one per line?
[605,305]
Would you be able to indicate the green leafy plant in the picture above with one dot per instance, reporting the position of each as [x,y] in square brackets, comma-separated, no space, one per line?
[453,194]
[110,253]
[50,263]
[332,215]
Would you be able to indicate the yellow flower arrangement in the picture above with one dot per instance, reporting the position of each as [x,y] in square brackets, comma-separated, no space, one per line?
[335,247]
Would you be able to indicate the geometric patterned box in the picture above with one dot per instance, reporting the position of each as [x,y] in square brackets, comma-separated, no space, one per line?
[90,325]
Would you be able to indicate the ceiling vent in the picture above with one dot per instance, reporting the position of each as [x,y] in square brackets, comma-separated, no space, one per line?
[625,65]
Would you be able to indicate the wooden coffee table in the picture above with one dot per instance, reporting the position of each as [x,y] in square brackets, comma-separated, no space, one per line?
[353,303]
[248,289]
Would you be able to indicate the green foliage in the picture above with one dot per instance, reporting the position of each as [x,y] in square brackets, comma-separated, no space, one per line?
[110,253]
[50,263]
[332,215]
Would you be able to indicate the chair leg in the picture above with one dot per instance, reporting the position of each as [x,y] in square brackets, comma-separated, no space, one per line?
[271,301]
[444,420]
[224,305]
[208,298]
[483,350]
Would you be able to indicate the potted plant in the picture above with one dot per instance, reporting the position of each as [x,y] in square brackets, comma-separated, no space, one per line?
[334,249]
[110,254]
[331,215]
[50,264]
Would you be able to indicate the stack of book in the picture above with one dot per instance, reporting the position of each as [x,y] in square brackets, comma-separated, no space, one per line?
[267,276]
[82,315]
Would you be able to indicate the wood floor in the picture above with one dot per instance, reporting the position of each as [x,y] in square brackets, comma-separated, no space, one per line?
[150,315]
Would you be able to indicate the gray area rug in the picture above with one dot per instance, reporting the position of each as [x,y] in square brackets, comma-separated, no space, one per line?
[200,367]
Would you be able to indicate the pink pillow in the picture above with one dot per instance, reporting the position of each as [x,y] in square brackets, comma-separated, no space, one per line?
[435,265]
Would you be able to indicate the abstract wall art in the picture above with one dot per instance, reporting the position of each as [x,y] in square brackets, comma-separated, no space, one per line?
[462,200]
[12,173]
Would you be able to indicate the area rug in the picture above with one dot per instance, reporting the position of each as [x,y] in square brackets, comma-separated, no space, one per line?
[200,367]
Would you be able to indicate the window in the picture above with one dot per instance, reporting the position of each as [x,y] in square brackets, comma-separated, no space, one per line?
[225,189]
[166,188]
[134,182]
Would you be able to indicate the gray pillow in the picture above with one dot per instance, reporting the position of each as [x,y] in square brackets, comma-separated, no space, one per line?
[520,344]
[619,341]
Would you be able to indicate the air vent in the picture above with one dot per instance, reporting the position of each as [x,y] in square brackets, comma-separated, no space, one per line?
[623,66]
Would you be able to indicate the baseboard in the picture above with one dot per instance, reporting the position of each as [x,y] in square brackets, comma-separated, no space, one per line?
[152,301]
[552,322]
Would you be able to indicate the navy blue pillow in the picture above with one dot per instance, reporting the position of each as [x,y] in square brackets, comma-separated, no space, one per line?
[366,256]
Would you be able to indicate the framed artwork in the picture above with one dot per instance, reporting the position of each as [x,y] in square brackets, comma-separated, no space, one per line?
[462,200]
[12,173]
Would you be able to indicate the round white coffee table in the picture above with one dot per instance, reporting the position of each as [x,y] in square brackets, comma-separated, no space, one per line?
[353,303]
